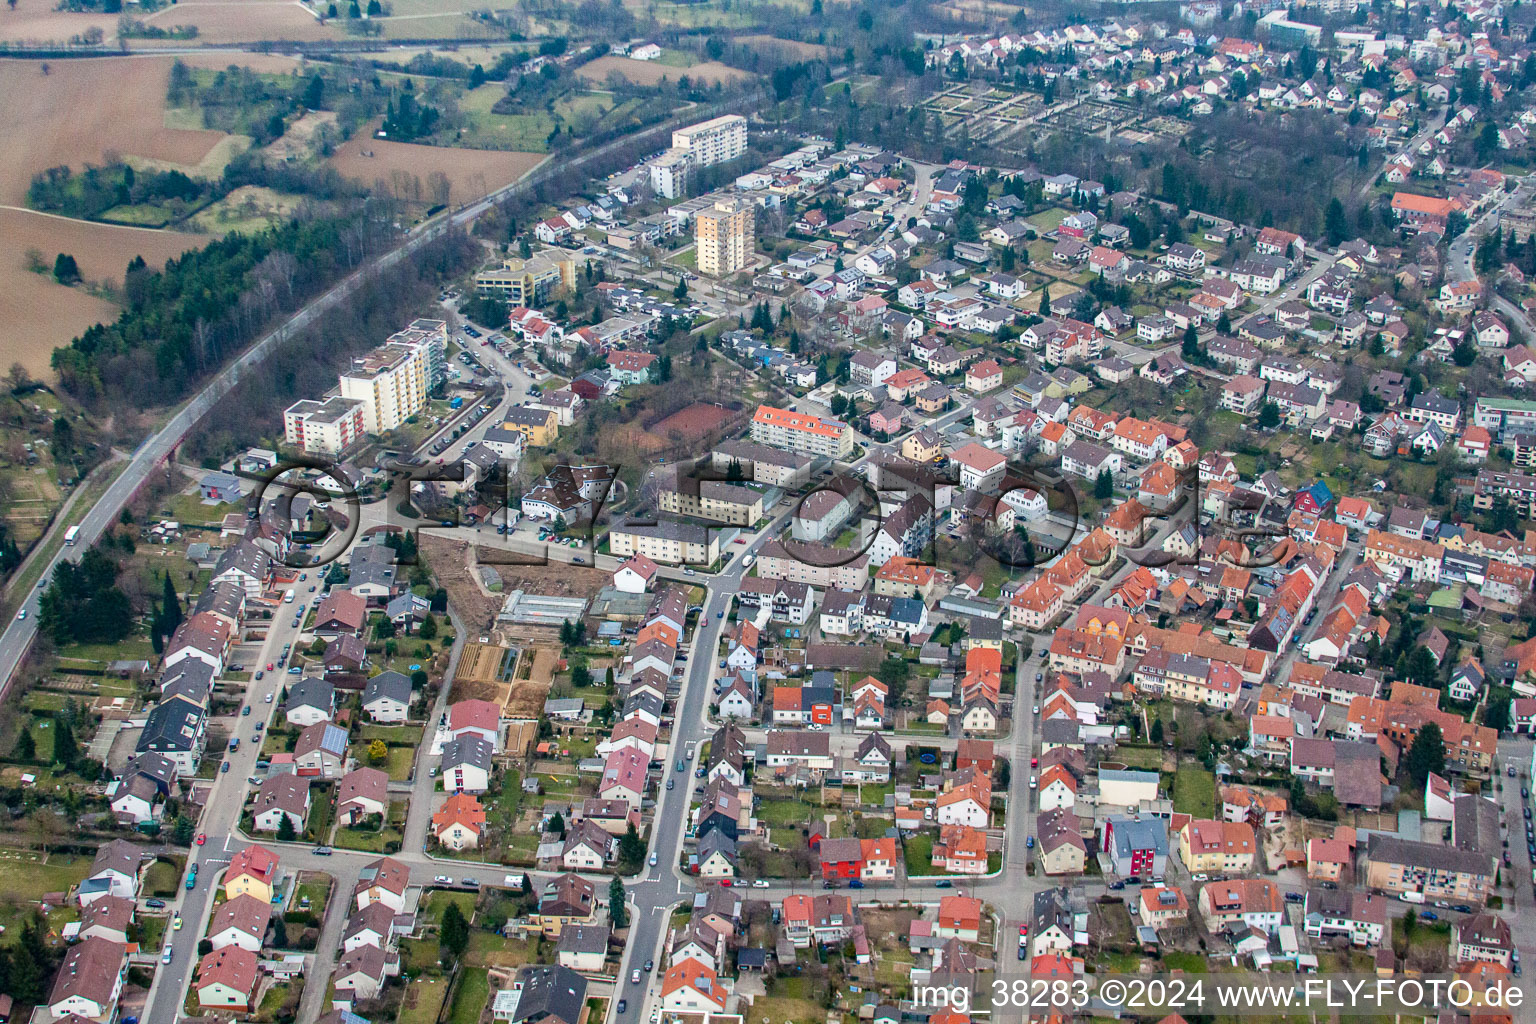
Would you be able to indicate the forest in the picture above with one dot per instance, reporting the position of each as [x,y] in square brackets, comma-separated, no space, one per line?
[182,323]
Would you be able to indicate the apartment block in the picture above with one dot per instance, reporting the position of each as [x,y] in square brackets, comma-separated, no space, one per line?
[670,173]
[323,428]
[666,542]
[391,383]
[797,432]
[527,282]
[714,141]
[710,499]
[723,236]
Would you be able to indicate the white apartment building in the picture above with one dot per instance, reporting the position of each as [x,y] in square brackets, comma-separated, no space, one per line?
[669,174]
[714,141]
[391,384]
[797,432]
[323,428]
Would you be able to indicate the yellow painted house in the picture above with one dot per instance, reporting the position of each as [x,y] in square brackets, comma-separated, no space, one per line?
[251,872]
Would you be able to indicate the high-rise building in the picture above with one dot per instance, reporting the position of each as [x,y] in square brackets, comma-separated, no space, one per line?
[714,141]
[433,335]
[797,432]
[323,428]
[723,237]
[669,174]
[391,384]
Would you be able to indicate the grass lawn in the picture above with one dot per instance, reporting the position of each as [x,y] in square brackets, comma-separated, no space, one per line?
[919,854]
[1144,758]
[131,648]
[1194,791]
[152,931]
[417,955]
[401,759]
[470,997]
[189,508]
[23,872]
[1047,220]
[1190,963]
[394,735]
[317,888]
[271,1002]
[42,738]
[436,904]
[788,1001]
[162,878]
[785,813]
[423,1001]
[370,842]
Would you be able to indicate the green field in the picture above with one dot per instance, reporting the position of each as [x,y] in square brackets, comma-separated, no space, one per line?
[24,873]
[470,997]
[919,854]
[1194,791]
[423,1000]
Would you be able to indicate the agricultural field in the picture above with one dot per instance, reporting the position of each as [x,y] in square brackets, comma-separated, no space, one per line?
[37,22]
[440,25]
[83,110]
[642,72]
[42,314]
[221,21]
[803,51]
[403,168]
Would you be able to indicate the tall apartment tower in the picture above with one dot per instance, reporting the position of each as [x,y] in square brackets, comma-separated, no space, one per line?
[723,237]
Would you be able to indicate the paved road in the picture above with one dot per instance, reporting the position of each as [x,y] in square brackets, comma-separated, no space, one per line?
[221,816]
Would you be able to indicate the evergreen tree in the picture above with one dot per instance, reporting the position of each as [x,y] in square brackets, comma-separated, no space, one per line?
[1335,224]
[26,747]
[1191,345]
[183,830]
[453,934]
[65,751]
[428,629]
[1104,486]
[1426,755]
[285,830]
[1045,300]
[65,269]
[631,847]
[557,824]
[279,932]
[618,913]
[1157,730]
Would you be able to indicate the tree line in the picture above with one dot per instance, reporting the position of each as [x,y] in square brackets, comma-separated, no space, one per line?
[181,323]
[95,190]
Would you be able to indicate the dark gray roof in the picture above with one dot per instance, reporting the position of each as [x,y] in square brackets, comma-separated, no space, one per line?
[553,994]
[389,685]
[171,726]
[467,749]
[310,692]
[584,938]
[1391,850]
[191,678]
